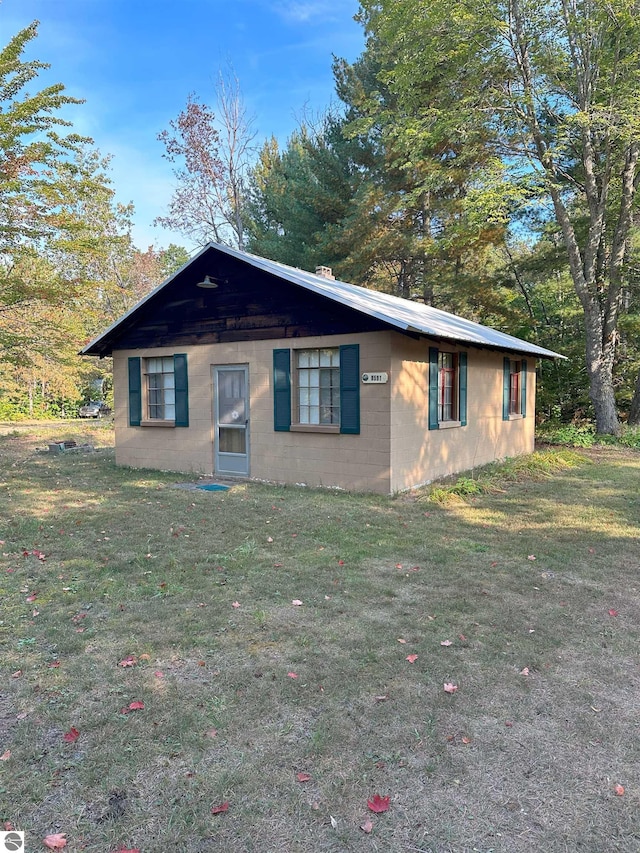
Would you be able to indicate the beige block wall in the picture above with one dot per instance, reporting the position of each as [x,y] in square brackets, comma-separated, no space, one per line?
[420,455]
[395,449]
[356,462]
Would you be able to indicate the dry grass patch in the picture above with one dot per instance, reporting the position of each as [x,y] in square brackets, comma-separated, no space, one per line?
[199,589]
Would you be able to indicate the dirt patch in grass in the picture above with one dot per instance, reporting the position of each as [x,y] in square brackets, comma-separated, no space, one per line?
[266,632]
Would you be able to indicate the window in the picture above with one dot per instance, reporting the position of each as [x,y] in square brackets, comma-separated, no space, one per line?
[318,386]
[514,387]
[158,391]
[447,389]
[160,388]
[447,386]
[514,395]
[317,389]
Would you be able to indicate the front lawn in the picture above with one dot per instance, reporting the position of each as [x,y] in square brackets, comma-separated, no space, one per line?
[244,670]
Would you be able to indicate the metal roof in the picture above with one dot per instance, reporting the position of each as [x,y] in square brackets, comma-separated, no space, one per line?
[402,314]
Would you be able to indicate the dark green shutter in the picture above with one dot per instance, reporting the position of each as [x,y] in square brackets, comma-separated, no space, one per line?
[281,390]
[350,389]
[433,388]
[462,385]
[523,388]
[135,392]
[181,389]
[506,382]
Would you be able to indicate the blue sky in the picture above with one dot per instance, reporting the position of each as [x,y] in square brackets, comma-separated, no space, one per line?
[135,62]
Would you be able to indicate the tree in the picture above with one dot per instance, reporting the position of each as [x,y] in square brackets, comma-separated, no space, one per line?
[550,89]
[211,158]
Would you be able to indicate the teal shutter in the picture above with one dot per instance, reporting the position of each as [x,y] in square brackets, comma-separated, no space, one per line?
[462,388]
[506,377]
[182,389]
[523,388]
[135,392]
[350,389]
[433,388]
[281,390]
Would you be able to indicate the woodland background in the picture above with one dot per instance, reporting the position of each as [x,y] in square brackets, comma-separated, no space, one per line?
[481,158]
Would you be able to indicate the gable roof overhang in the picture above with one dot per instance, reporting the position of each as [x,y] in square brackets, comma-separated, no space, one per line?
[402,314]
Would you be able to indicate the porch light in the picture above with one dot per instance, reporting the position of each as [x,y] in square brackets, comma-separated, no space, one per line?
[208,283]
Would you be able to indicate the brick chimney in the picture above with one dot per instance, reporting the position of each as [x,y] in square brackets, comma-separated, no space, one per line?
[325,272]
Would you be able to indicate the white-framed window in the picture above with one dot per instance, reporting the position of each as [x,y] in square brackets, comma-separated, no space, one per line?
[447,386]
[317,386]
[160,388]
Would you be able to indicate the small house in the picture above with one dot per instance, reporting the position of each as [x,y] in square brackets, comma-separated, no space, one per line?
[237,366]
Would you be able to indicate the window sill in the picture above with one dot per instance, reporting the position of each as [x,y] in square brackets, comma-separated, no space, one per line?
[327,428]
[516,417]
[157,423]
[448,424]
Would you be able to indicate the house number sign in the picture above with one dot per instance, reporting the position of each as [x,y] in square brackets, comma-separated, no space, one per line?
[375,378]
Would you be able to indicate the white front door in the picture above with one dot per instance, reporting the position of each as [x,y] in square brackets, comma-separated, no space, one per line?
[231,419]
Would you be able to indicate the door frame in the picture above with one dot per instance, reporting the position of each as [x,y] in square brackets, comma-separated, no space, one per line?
[237,464]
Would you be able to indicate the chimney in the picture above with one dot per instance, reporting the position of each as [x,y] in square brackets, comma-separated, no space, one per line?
[325,272]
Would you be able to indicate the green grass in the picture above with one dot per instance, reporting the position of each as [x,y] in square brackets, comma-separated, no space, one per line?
[133,566]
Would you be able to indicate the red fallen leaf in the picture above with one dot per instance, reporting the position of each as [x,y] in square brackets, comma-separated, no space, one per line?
[158,674]
[6,755]
[71,736]
[56,841]
[16,674]
[367,826]
[508,724]
[127,850]
[341,562]
[236,604]
[465,740]
[611,612]
[378,804]
[223,807]
[450,688]
[132,706]
[524,671]
[130,660]
[412,658]
[292,674]
[32,597]
[618,790]
[462,637]
[303,777]
[8,826]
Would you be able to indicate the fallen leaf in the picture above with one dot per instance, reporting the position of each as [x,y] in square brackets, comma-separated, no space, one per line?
[446,643]
[130,660]
[462,637]
[378,804]
[145,656]
[303,777]
[127,850]
[524,671]
[296,602]
[56,841]
[400,640]
[16,674]
[334,822]
[158,674]
[269,538]
[450,688]
[367,826]
[381,698]
[412,658]
[6,755]
[212,732]
[132,706]
[292,674]
[465,739]
[8,826]
[71,736]
[223,807]
[236,604]
[32,597]
[613,612]
[618,790]
[531,557]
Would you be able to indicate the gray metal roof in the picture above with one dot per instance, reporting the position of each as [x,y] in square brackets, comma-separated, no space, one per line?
[399,313]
